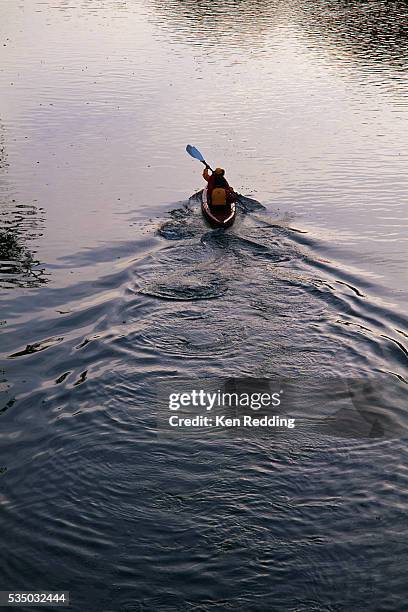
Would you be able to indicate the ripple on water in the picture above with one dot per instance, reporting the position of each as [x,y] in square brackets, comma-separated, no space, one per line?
[195,285]
[176,230]
[183,272]
[37,347]
[189,333]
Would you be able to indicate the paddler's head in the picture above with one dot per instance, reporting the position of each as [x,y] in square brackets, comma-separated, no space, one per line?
[219,171]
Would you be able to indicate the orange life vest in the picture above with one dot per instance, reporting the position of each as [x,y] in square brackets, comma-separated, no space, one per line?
[218,196]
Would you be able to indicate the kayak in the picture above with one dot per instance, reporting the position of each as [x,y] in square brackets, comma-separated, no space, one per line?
[224,217]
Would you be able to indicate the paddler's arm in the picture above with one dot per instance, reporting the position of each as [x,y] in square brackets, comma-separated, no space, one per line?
[231,195]
[206,176]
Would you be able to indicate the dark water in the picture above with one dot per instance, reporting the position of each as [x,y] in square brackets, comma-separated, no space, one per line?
[111,283]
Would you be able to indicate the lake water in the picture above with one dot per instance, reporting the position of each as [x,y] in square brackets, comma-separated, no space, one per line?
[112,283]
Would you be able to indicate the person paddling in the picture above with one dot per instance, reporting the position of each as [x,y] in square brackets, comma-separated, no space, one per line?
[219,191]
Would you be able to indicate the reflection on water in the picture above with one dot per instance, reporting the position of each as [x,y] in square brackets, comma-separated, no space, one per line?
[19,224]
[245,24]
[375,32]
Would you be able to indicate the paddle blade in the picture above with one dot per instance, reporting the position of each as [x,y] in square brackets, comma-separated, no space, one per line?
[194,153]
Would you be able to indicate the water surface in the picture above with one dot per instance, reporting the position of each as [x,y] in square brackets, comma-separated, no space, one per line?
[111,282]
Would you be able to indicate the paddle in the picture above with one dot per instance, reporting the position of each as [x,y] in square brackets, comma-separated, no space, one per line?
[194,152]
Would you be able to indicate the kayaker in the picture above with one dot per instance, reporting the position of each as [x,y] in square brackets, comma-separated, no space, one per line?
[219,191]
